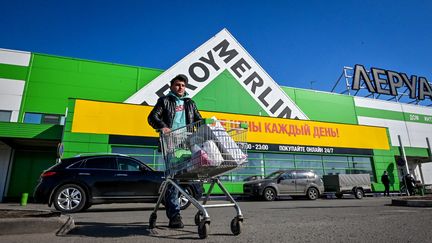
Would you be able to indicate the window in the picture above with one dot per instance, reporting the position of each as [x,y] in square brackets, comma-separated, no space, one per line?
[263,164]
[50,119]
[32,118]
[274,162]
[308,162]
[253,169]
[288,175]
[267,163]
[75,165]
[5,116]
[301,176]
[37,118]
[334,165]
[148,156]
[127,164]
[107,163]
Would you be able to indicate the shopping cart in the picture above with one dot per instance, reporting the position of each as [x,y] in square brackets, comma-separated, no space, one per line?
[203,151]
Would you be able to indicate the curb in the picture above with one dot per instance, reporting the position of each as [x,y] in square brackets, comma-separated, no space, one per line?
[411,203]
[60,225]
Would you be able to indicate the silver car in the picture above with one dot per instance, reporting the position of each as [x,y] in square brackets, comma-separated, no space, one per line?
[284,183]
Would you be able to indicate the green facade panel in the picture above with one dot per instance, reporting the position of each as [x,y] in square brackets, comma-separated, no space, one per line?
[321,106]
[76,137]
[384,160]
[416,152]
[99,148]
[64,78]
[410,151]
[226,94]
[26,169]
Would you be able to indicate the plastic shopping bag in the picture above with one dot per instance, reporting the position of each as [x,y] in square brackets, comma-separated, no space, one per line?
[214,155]
[180,155]
[230,150]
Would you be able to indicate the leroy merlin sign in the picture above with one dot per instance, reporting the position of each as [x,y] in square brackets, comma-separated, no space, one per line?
[218,54]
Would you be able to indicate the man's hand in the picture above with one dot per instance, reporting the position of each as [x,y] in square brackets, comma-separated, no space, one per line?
[166,130]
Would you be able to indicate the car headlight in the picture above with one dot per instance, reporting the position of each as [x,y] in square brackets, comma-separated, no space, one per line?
[258,184]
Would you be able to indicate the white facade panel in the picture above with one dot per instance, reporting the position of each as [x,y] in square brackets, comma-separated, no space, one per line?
[14,116]
[11,86]
[12,57]
[10,102]
[418,132]
[427,172]
[11,96]
[395,128]
[416,109]
[377,104]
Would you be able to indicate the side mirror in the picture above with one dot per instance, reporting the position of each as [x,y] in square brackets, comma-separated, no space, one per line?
[280,179]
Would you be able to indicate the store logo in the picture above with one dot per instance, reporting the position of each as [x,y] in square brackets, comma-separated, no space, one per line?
[203,65]
[388,82]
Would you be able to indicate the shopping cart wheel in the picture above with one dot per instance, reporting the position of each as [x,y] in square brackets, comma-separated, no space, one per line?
[152,220]
[198,217]
[203,229]
[236,226]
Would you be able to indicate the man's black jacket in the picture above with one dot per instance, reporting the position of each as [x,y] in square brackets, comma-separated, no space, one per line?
[163,112]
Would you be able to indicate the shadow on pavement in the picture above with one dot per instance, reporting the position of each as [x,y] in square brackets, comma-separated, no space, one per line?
[96,229]
[101,210]
[109,230]
[294,207]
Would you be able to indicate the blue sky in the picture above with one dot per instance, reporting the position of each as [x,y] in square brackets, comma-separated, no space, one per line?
[296,42]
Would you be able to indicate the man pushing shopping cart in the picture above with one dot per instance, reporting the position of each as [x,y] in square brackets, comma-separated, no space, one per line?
[195,148]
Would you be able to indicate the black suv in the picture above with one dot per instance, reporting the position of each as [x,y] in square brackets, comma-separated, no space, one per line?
[75,184]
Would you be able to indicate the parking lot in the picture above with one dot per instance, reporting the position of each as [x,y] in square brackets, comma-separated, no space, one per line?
[324,220]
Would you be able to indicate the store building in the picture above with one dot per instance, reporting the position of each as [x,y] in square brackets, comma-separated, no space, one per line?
[52,106]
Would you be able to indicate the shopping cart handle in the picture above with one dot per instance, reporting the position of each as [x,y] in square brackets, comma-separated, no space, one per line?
[208,121]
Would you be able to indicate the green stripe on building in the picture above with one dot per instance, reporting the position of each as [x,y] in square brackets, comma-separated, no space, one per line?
[13,72]
[411,117]
[25,130]
[393,115]
[383,114]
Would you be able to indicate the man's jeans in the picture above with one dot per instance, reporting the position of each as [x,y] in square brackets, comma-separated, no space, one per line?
[172,205]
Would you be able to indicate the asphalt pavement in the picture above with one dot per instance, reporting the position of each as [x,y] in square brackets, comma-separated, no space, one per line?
[371,219]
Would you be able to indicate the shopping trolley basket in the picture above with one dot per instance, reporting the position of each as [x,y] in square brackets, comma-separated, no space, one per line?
[203,151]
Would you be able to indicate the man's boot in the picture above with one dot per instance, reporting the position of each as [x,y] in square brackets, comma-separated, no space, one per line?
[176,222]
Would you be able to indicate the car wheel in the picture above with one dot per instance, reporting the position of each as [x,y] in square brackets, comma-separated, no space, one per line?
[183,201]
[358,193]
[69,198]
[269,194]
[312,193]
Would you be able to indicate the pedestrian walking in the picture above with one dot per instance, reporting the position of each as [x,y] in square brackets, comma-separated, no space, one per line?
[173,111]
[386,181]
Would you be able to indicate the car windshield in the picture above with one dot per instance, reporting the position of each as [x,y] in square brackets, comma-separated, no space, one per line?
[274,175]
